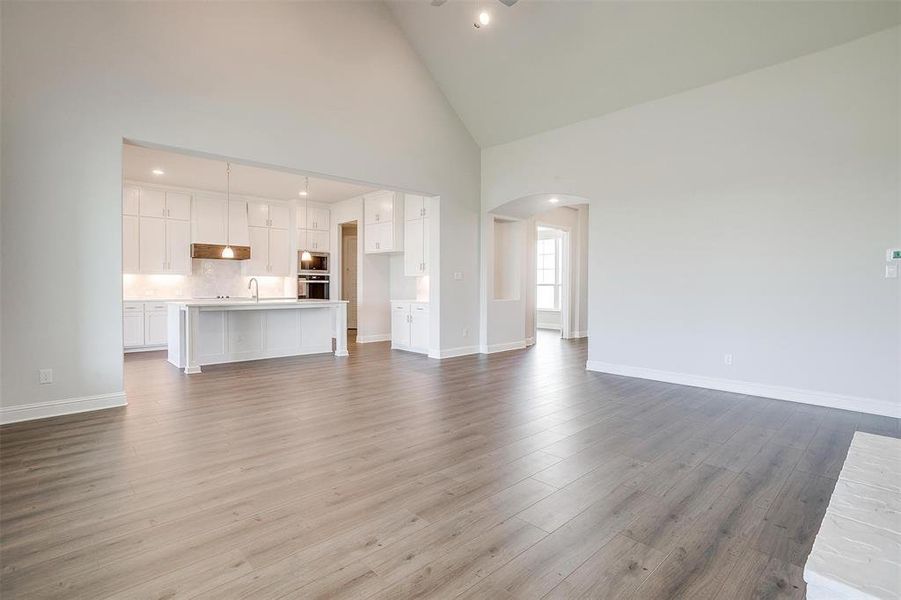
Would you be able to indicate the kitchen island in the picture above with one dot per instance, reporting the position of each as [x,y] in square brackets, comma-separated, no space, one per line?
[210,332]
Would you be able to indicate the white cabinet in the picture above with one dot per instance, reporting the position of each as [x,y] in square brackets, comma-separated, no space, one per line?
[268,214]
[410,326]
[131,262]
[416,247]
[152,243]
[279,252]
[316,241]
[270,252]
[415,207]
[155,321]
[133,324]
[313,228]
[383,229]
[156,231]
[164,246]
[378,207]
[317,218]
[144,325]
[152,203]
[209,220]
[178,206]
[131,200]
[178,245]
[159,203]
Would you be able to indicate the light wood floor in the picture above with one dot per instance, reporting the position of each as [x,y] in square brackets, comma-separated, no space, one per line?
[390,475]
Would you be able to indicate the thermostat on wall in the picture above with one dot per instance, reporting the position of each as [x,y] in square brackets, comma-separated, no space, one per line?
[893,254]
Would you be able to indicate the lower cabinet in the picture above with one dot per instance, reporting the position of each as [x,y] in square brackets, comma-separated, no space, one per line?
[144,326]
[410,326]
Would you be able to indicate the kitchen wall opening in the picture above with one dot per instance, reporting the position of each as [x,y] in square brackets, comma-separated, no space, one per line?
[205,230]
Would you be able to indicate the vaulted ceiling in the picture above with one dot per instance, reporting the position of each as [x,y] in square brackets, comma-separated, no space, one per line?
[543,64]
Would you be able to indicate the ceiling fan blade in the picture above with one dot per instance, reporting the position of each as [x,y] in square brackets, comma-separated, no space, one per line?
[507,2]
[440,2]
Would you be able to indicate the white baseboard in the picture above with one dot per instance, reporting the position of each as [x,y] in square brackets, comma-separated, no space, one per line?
[749,388]
[505,347]
[145,349]
[577,334]
[452,352]
[379,337]
[56,408]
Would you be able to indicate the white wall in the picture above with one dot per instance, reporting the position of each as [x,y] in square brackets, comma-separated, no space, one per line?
[328,88]
[748,217]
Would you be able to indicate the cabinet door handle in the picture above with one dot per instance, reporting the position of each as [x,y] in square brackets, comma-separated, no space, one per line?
[377,216]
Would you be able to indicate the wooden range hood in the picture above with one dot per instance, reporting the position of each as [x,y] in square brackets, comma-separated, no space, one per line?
[215,251]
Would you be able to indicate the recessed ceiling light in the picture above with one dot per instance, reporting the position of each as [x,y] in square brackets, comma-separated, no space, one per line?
[158,172]
[554,200]
[484,18]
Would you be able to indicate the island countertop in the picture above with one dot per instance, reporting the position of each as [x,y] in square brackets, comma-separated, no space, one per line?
[250,304]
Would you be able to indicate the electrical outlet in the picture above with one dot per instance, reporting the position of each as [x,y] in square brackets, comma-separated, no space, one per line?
[727,359]
[458,275]
[45,376]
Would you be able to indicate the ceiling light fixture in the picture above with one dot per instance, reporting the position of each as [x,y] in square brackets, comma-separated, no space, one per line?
[227,252]
[484,17]
[554,200]
[306,188]
[158,172]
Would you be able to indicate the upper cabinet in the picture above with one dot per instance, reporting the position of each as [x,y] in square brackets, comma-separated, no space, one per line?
[268,214]
[313,227]
[160,203]
[416,235]
[210,221]
[155,231]
[383,229]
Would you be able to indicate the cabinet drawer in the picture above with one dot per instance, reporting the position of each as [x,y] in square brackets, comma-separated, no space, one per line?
[155,306]
[400,306]
[419,307]
[132,307]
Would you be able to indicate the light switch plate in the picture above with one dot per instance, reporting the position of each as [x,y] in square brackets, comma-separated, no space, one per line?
[891,271]
[45,376]
[458,275]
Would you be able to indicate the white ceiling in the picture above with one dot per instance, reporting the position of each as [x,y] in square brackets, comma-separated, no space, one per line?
[203,173]
[543,64]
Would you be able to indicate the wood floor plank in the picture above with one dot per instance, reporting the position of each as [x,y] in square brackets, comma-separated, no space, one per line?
[506,476]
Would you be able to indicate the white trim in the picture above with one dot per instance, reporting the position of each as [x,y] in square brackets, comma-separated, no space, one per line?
[578,334]
[144,349]
[378,337]
[530,341]
[505,347]
[55,408]
[454,352]
[749,388]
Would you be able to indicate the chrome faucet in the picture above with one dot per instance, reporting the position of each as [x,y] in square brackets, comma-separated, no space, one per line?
[256,292]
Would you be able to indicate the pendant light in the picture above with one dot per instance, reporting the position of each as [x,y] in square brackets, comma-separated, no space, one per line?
[227,252]
[305,255]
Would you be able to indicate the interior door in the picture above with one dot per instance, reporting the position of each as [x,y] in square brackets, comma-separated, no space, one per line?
[349,278]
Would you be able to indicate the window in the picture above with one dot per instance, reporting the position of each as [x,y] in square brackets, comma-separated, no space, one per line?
[548,296]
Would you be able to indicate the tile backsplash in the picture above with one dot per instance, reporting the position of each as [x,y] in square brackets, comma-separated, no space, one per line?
[208,279]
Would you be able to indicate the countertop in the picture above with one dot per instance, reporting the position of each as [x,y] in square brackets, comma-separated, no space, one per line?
[250,304]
